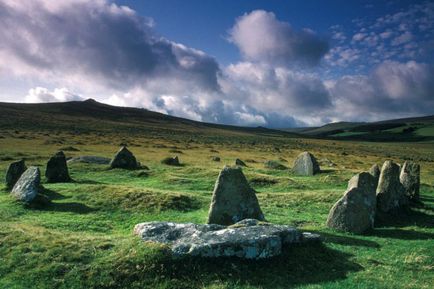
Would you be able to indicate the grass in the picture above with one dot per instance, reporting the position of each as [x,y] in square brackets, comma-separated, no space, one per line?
[83,239]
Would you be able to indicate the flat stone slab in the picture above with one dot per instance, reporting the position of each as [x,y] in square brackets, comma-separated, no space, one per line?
[249,238]
[90,160]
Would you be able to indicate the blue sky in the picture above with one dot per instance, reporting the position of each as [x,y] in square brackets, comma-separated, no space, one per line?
[269,63]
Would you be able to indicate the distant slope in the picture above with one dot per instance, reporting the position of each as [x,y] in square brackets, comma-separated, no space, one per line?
[90,115]
[404,129]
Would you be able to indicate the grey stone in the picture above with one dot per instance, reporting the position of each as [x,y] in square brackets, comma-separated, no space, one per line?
[27,187]
[274,165]
[14,172]
[240,163]
[233,199]
[410,179]
[375,172]
[306,165]
[171,161]
[124,159]
[390,191]
[57,169]
[247,239]
[216,159]
[355,211]
[90,160]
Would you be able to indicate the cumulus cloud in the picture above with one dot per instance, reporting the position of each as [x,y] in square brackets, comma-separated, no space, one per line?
[260,36]
[42,94]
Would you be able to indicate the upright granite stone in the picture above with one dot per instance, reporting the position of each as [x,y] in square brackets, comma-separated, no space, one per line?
[240,163]
[249,239]
[410,179]
[57,169]
[14,172]
[390,191]
[27,187]
[375,172]
[355,211]
[124,159]
[306,165]
[233,199]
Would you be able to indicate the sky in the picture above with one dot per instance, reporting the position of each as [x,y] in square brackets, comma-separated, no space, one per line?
[253,63]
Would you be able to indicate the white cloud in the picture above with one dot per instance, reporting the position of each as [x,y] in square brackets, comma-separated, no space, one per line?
[41,94]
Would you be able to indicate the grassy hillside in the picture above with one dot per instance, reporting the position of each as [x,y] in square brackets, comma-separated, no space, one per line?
[407,129]
[83,239]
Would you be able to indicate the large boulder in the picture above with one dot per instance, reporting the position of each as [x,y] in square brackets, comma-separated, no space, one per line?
[410,179]
[390,191]
[355,211]
[14,172]
[375,172]
[233,199]
[305,165]
[247,239]
[27,187]
[90,160]
[57,169]
[124,159]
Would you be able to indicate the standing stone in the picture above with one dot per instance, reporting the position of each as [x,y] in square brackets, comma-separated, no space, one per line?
[124,159]
[233,199]
[306,165]
[355,211]
[27,187]
[57,169]
[240,163]
[14,172]
[410,179]
[390,191]
[375,172]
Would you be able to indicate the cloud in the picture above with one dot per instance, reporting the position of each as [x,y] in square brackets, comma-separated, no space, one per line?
[41,94]
[260,36]
[94,41]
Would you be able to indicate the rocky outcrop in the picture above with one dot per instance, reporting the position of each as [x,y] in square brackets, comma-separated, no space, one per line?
[306,165]
[124,159]
[57,169]
[410,179]
[27,187]
[355,211]
[249,239]
[233,199]
[14,172]
[390,191]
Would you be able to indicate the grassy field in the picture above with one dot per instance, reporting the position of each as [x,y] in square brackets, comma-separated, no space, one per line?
[84,239]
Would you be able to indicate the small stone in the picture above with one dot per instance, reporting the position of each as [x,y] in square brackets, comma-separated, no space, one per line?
[27,187]
[410,179]
[240,163]
[124,159]
[171,161]
[390,191]
[57,169]
[306,165]
[274,165]
[215,159]
[14,172]
[355,211]
[233,199]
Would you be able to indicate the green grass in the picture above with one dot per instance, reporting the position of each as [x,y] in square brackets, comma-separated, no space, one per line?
[84,239]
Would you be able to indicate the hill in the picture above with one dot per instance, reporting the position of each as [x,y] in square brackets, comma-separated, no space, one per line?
[404,129]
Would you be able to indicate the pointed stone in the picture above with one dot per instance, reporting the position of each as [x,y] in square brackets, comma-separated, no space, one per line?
[14,172]
[57,169]
[355,211]
[390,191]
[27,187]
[240,163]
[233,199]
[410,179]
[375,172]
[306,165]
[124,159]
